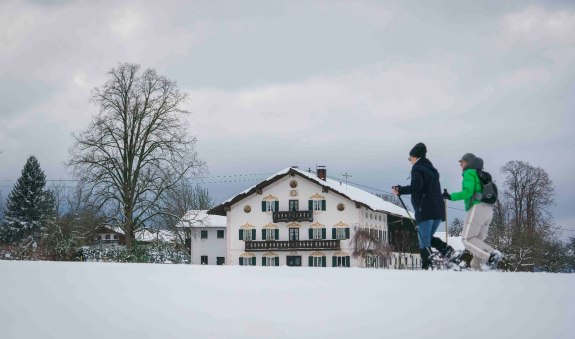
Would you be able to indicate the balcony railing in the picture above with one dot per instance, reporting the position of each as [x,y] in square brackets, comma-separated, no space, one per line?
[287,216]
[298,245]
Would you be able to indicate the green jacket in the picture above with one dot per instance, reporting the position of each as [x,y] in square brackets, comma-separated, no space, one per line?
[471,185]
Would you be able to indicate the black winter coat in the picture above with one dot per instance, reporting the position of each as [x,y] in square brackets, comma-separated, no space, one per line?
[425,191]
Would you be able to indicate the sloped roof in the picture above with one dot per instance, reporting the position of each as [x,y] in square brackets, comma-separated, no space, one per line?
[357,195]
[201,218]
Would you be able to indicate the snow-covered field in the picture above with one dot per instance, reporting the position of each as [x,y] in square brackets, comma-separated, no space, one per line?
[103,300]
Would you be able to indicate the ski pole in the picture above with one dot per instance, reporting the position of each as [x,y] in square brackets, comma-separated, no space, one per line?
[446,227]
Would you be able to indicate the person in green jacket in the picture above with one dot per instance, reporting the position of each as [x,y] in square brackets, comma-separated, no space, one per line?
[479,215]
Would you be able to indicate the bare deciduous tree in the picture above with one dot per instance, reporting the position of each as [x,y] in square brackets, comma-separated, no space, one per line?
[366,243]
[136,148]
[522,225]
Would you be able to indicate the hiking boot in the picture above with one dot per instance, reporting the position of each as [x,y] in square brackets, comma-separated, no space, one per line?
[494,258]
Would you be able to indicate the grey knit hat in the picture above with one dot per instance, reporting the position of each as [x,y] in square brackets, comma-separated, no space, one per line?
[467,157]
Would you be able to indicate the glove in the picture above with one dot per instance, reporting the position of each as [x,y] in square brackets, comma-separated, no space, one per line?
[398,189]
[446,195]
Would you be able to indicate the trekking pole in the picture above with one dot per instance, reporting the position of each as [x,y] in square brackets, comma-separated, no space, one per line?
[446,227]
[408,214]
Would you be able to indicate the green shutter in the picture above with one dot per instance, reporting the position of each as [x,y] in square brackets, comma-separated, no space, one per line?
[241,234]
[264,209]
[323,205]
[323,233]
[310,205]
[347,233]
[263,261]
[277,231]
[253,261]
[310,233]
[277,261]
[263,234]
[334,261]
[310,260]
[347,261]
[323,261]
[333,233]
[277,203]
[254,234]
[241,261]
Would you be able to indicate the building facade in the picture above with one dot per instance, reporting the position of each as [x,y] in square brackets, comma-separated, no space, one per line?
[299,218]
[208,237]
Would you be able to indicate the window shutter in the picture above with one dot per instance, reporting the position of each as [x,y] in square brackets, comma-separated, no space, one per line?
[277,232]
[277,203]
[277,261]
[323,205]
[241,261]
[310,205]
[310,233]
[253,261]
[264,209]
[241,234]
[310,261]
[334,261]
[347,261]
[263,234]
[347,233]
[323,261]
[323,233]
[263,261]
[254,234]
[333,233]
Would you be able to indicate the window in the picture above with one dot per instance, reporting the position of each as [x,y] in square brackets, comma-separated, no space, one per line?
[270,206]
[204,234]
[317,205]
[270,261]
[115,237]
[316,261]
[270,234]
[340,233]
[220,260]
[204,260]
[316,233]
[340,261]
[107,237]
[247,261]
[220,234]
[294,205]
[293,234]
[248,235]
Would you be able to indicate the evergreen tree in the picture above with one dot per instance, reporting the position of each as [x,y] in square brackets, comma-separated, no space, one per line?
[29,207]
[456,228]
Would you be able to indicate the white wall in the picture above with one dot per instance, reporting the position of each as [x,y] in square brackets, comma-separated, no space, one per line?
[212,246]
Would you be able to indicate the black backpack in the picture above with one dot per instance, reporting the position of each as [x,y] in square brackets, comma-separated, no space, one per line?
[489,194]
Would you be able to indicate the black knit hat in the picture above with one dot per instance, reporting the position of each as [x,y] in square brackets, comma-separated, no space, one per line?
[418,151]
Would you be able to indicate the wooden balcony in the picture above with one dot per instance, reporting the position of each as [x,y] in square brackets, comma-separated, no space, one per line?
[287,216]
[299,245]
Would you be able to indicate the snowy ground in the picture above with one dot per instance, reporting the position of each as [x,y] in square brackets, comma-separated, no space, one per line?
[103,300]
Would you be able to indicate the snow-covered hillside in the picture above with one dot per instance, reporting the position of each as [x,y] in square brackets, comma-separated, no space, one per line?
[96,300]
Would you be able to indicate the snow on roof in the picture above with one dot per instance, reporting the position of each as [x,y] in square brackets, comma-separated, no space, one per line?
[201,218]
[149,235]
[353,193]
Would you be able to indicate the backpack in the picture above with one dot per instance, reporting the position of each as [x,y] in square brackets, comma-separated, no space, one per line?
[489,194]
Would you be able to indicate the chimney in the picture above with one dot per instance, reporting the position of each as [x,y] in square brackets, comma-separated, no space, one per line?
[321,172]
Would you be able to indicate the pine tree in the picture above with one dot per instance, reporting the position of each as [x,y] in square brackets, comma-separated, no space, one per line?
[29,207]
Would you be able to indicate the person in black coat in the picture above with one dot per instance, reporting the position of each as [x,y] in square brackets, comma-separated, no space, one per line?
[427,200]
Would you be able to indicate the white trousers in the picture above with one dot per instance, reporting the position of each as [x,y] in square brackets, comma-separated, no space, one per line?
[475,231]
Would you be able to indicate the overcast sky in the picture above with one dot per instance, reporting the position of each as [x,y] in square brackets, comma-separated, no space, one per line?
[352,85]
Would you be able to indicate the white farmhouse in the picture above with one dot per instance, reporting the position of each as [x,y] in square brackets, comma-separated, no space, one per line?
[208,237]
[299,218]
